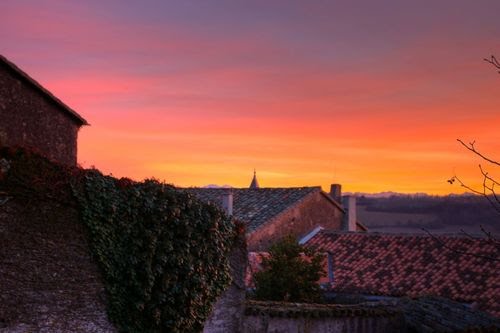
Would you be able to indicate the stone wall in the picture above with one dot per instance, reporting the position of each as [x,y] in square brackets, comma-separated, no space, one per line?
[30,119]
[228,312]
[313,211]
[267,317]
[48,280]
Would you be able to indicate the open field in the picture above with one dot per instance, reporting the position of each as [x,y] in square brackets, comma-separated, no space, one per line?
[414,223]
[388,219]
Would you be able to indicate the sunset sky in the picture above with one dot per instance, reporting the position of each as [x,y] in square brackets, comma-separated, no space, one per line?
[369,94]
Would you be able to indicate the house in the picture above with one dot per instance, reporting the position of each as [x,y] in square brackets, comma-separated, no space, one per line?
[457,267]
[272,213]
[32,117]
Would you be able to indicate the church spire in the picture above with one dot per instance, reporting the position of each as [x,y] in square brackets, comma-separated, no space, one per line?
[254,183]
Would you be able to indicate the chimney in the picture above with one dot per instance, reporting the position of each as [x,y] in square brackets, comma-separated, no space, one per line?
[336,192]
[227,202]
[349,203]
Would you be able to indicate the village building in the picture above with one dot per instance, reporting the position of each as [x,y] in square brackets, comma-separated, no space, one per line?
[272,213]
[32,117]
[457,267]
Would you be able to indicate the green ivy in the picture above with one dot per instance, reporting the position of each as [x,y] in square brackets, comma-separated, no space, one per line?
[163,254]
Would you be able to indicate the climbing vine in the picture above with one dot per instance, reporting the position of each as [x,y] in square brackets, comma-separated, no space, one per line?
[163,254]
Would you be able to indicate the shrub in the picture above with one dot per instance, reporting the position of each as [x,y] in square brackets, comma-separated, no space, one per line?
[290,273]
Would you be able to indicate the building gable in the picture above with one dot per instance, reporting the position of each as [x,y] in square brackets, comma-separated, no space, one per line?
[20,74]
[32,118]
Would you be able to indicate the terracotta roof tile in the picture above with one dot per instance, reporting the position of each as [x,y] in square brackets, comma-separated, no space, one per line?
[413,265]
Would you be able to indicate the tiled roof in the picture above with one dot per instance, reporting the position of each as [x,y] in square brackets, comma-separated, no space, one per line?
[438,314]
[20,73]
[414,265]
[255,207]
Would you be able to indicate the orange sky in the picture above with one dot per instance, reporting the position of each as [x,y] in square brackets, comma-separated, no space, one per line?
[372,96]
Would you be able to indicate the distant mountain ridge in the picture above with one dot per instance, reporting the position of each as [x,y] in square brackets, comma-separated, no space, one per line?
[217,186]
[388,194]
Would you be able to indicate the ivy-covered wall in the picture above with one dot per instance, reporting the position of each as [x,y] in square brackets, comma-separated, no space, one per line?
[162,254]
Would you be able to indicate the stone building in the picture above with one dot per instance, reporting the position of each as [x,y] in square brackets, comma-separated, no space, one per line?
[272,213]
[32,117]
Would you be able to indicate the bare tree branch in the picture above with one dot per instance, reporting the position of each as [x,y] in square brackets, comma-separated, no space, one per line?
[455,178]
[488,192]
[485,174]
[497,199]
[492,60]
[484,193]
[489,182]
[471,147]
[461,252]
[491,239]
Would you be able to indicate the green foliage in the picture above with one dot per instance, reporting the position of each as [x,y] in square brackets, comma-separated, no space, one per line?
[163,254]
[27,174]
[290,273]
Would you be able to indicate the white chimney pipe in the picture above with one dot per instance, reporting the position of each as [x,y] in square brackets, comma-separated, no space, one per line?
[350,218]
[227,202]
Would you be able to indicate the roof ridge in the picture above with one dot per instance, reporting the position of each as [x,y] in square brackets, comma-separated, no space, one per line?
[43,90]
[399,234]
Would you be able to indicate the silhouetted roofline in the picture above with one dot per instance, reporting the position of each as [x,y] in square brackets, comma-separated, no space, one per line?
[333,201]
[457,235]
[69,111]
[258,206]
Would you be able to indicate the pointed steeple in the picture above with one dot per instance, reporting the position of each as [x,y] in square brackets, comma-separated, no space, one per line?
[254,183]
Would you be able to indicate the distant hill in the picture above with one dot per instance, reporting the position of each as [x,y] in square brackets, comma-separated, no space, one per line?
[217,186]
[439,214]
[388,194]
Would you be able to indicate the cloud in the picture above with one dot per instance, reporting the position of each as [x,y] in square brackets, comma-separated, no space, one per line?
[202,94]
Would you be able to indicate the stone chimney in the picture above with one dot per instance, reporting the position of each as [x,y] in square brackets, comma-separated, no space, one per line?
[350,218]
[336,192]
[227,202]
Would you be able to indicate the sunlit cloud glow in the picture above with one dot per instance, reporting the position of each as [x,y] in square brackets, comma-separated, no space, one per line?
[373,97]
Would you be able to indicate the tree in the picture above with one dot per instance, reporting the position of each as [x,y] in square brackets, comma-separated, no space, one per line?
[488,191]
[489,182]
[290,273]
